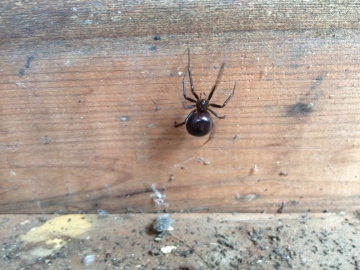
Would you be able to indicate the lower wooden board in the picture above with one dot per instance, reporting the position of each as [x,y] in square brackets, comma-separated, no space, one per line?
[198,241]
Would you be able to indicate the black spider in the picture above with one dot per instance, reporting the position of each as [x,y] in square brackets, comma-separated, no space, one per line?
[199,122]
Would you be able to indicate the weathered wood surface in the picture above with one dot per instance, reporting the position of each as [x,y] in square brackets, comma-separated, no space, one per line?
[89,99]
[202,241]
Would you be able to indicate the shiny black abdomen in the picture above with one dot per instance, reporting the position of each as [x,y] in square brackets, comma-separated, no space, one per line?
[199,124]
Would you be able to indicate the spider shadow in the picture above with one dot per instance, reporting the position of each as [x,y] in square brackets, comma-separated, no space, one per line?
[168,142]
[171,141]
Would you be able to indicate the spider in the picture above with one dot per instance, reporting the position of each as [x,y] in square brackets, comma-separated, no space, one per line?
[199,122]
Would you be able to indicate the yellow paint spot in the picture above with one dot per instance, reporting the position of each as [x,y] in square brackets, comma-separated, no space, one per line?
[53,235]
[68,226]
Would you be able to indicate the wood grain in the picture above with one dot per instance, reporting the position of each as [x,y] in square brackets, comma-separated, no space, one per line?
[89,123]
[78,19]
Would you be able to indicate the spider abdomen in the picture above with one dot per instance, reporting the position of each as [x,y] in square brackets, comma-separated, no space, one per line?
[199,124]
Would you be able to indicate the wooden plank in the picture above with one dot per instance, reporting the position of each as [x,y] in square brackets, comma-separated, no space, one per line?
[202,241]
[89,124]
[77,20]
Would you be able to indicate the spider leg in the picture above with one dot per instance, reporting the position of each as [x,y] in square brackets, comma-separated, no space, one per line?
[186,119]
[226,101]
[191,80]
[214,113]
[217,81]
[188,106]
[184,90]
[211,135]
